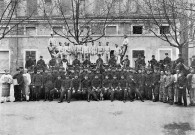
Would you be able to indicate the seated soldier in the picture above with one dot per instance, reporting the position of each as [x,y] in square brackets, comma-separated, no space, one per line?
[96,85]
[57,87]
[86,89]
[76,62]
[123,88]
[76,87]
[66,89]
[87,62]
[52,63]
[114,88]
[106,87]
[48,84]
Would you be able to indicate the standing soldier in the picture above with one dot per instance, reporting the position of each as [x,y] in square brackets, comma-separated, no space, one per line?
[96,86]
[29,63]
[167,60]
[76,62]
[114,88]
[66,89]
[126,62]
[162,85]
[182,83]
[18,85]
[180,59]
[153,62]
[140,80]
[112,61]
[107,52]
[156,79]
[52,63]
[148,85]
[76,87]
[87,62]
[123,88]
[99,63]
[41,64]
[169,80]
[6,80]
[38,84]
[106,87]
[191,86]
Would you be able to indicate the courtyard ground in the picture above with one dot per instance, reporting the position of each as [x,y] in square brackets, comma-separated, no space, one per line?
[95,118]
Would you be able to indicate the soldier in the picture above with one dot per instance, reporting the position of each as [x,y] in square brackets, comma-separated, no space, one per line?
[57,87]
[126,62]
[18,87]
[29,63]
[86,89]
[162,85]
[106,87]
[114,88]
[76,62]
[156,79]
[66,89]
[140,80]
[180,59]
[96,86]
[87,62]
[148,85]
[76,87]
[191,86]
[167,60]
[169,80]
[138,62]
[133,88]
[112,61]
[193,62]
[38,84]
[99,62]
[48,84]
[182,84]
[41,64]
[153,62]
[123,88]
[52,63]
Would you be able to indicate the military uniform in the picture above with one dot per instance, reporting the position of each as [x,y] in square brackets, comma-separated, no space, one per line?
[41,64]
[140,80]
[96,86]
[66,90]
[106,88]
[182,84]
[38,83]
[76,63]
[57,88]
[162,87]
[112,62]
[153,63]
[156,79]
[76,88]
[48,84]
[123,88]
[148,86]
[114,89]
[167,61]
[18,88]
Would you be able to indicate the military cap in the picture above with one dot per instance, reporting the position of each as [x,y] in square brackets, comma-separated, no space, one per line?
[166,54]
[153,55]
[180,54]
[41,56]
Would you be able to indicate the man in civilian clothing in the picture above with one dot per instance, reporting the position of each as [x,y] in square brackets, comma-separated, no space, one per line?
[19,86]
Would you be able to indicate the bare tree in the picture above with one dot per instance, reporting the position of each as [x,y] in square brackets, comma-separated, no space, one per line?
[80,18]
[171,13]
[9,20]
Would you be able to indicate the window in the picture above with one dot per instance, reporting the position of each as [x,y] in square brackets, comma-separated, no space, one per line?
[4,61]
[161,53]
[111,30]
[30,31]
[58,29]
[137,29]
[97,29]
[164,29]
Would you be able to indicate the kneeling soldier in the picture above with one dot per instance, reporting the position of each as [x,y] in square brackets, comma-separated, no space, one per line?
[96,85]
[66,89]
[106,87]
[114,87]
[123,88]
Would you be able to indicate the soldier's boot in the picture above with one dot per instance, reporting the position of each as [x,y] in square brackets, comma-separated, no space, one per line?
[112,96]
[88,97]
[68,96]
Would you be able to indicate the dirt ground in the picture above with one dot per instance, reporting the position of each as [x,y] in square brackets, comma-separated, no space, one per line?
[95,118]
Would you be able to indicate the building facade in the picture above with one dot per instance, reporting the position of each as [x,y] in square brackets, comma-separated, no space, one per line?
[33,35]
